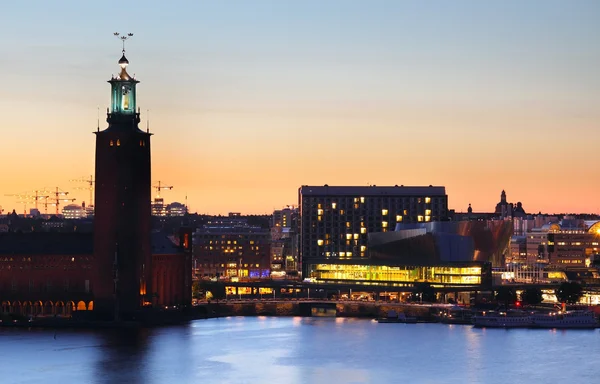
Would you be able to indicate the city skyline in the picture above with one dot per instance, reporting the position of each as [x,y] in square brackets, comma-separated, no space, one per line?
[250,102]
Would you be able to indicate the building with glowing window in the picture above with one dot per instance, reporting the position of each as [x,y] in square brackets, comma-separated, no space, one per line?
[229,247]
[560,245]
[435,253]
[335,221]
[74,211]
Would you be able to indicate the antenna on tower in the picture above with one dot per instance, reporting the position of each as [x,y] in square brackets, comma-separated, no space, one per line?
[123,38]
[147,121]
[98,117]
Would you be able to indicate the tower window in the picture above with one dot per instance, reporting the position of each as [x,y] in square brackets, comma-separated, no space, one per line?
[118,143]
[111,143]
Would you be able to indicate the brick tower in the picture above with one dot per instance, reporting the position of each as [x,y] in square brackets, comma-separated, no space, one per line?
[122,224]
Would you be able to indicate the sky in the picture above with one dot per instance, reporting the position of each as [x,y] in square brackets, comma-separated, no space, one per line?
[249,100]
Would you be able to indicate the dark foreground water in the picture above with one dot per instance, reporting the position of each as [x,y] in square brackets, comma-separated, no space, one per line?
[300,350]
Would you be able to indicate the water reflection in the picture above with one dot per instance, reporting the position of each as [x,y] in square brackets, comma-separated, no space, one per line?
[299,350]
[122,356]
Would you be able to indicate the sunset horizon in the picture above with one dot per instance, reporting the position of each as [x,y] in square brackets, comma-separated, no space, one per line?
[248,103]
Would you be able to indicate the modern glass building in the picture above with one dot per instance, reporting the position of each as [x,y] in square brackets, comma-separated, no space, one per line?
[442,254]
[335,222]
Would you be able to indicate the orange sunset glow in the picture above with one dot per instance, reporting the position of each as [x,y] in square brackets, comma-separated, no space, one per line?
[245,110]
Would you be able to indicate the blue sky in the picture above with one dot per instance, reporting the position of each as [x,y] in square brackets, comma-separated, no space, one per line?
[268,82]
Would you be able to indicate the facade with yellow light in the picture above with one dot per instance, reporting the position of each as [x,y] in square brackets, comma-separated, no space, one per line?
[335,221]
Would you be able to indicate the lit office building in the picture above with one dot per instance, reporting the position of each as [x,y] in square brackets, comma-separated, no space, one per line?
[176,209]
[158,207]
[562,246]
[284,218]
[74,211]
[229,247]
[335,221]
[442,254]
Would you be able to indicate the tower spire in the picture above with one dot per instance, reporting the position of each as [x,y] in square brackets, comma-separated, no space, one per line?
[123,62]
[123,38]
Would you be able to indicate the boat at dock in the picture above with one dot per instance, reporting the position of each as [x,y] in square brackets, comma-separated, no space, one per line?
[394,317]
[566,320]
[457,315]
[504,319]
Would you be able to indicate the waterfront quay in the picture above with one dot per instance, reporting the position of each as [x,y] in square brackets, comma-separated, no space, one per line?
[291,289]
[320,308]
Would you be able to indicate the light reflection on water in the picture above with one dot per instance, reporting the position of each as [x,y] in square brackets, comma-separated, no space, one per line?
[300,350]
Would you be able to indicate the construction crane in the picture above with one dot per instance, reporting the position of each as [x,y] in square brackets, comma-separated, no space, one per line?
[57,197]
[160,187]
[30,198]
[90,182]
[23,198]
[158,206]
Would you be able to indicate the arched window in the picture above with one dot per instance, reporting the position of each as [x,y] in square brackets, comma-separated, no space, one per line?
[111,143]
[118,143]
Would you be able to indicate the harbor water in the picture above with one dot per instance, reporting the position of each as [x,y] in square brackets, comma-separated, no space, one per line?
[300,350]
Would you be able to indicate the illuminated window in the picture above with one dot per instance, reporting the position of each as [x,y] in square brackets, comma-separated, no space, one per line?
[111,143]
[342,254]
[384,212]
[362,199]
[427,218]
[384,224]
[347,224]
[363,230]
[398,218]
[118,143]
[349,254]
[334,205]
[355,236]
[319,242]
[363,248]
[348,236]
[405,212]
[319,212]
[420,218]
[428,212]
[428,200]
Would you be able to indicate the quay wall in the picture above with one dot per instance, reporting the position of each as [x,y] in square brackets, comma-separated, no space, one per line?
[367,309]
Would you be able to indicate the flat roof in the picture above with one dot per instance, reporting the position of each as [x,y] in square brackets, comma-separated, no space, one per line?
[372,191]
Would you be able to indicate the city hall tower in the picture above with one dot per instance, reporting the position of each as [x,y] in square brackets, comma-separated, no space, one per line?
[122,224]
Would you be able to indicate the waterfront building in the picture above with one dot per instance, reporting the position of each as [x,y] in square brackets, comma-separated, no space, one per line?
[109,271]
[444,254]
[562,246]
[229,247]
[50,273]
[335,221]
[284,241]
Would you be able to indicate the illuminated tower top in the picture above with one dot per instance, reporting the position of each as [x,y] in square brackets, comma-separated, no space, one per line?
[123,92]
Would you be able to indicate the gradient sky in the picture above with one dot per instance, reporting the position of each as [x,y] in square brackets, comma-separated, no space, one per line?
[249,100]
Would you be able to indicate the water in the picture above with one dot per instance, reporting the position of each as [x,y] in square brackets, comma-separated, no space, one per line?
[300,350]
